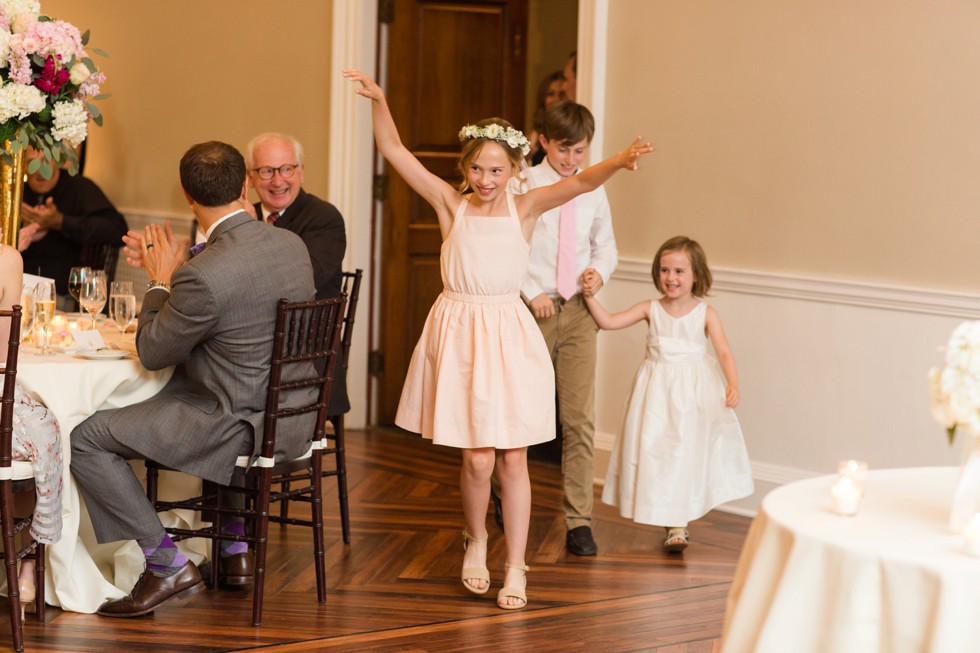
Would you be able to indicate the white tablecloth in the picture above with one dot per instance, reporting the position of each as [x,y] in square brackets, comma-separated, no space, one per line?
[81,574]
[891,579]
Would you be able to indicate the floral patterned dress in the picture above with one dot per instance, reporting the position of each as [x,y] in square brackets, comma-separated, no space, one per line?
[37,440]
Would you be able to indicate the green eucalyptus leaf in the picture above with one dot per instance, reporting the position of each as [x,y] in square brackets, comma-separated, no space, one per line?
[86,36]
[100,52]
[93,110]
[102,96]
[33,166]
[44,19]
[97,120]
[92,68]
[46,169]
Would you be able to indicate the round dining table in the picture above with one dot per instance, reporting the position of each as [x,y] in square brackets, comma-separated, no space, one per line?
[81,574]
[892,578]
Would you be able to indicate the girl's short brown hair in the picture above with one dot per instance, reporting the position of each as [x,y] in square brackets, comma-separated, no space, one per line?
[699,263]
[472,147]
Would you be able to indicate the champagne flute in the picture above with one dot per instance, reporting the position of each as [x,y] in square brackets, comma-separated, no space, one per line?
[27,315]
[93,295]
[76,278]
[122,304]
[44,300]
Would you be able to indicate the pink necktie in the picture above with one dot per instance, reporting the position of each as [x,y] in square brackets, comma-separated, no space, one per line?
[566,250]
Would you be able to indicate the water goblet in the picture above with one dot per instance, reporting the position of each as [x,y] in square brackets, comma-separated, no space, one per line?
[77,277]
[93,295]
[122,304]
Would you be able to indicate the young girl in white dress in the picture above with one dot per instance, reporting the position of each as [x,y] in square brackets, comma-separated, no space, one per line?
[681,451]
[36,437]
[480,378]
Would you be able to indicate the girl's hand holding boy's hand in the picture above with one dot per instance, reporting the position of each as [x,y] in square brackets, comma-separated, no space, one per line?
[731,396]
[591,282]
[630,156]
[368,88]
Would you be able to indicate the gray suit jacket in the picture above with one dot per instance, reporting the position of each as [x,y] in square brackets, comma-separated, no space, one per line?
[216,325]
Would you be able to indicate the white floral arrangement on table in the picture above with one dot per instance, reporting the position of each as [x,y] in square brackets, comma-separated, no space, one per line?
[46,83]
[956,385]
[512,137]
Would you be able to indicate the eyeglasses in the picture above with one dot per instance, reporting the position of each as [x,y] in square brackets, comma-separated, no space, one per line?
[285,171]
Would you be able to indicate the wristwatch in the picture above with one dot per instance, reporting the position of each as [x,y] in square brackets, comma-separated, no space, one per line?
[157,284]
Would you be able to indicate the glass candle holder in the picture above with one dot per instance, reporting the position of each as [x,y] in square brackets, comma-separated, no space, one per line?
[856,470]
[845,495]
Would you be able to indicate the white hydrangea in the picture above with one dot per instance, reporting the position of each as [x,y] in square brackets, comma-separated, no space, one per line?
[5,37]
[19,100]
[956,386]
[70,122]
[14,9]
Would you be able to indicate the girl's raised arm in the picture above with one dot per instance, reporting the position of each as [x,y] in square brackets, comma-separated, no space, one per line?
[719,342]
[541,199]
[621,320]
[433,190]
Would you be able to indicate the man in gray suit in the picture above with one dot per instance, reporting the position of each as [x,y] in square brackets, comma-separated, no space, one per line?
[213,318]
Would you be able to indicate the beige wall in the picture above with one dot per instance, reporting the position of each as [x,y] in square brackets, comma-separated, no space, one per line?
[832,139]
[185,71]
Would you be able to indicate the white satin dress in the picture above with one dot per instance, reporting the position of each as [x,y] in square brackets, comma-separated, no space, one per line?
[681,451]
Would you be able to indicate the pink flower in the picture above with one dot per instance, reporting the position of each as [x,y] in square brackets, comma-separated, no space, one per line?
[91,86]
[52,77]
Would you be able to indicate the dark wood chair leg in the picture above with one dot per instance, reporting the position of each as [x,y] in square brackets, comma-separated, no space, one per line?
[338,429]
[261,545]
[316,510]
[39,579]
[10,564]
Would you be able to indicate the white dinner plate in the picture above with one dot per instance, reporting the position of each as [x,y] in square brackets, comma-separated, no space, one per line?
[103,354]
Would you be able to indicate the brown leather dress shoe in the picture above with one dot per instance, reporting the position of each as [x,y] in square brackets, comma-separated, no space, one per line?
[151,591]
[237,570]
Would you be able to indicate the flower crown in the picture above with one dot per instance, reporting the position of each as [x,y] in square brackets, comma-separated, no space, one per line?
[512,137]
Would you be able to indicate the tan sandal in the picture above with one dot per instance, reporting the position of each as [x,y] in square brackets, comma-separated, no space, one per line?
[513,592]
[677,540]
[475,573]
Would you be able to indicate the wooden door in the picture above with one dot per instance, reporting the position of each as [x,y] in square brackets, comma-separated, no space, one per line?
[449,64]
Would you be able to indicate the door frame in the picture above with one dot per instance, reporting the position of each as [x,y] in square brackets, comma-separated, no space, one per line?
[354,43]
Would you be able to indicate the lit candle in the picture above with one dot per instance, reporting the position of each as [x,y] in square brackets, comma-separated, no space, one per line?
[73,325]
[855,470]
[845,495]
[58,322]
[972,536]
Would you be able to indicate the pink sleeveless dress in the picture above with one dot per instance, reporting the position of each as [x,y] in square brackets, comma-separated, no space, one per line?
[481,375]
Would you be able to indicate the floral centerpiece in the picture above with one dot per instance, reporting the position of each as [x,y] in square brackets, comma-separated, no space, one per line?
[47,82]
[956,385]
[956,405]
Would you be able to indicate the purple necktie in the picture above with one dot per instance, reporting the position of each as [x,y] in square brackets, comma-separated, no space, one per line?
[198,248]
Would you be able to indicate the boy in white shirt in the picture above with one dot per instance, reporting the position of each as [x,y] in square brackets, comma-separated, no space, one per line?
[553,292]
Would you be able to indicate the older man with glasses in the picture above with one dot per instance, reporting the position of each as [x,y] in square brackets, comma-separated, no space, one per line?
[275,171]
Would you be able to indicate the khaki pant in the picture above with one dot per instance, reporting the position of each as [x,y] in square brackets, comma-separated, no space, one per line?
[571,336]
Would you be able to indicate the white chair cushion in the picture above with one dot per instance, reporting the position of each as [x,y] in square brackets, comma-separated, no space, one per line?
[19,470]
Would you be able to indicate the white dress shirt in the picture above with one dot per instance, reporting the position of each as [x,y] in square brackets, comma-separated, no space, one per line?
[595,244]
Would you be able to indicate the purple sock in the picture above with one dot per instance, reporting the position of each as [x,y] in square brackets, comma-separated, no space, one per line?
[234,548]
[163,558]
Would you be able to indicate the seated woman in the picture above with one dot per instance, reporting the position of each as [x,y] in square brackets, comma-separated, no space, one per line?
[36,437]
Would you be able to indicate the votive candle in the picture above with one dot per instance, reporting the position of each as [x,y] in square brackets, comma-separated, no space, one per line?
[845,495]
[856,470]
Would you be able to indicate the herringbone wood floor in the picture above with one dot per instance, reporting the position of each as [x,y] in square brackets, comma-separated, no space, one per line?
[396,587]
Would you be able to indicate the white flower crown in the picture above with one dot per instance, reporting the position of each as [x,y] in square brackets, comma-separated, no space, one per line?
[512,137]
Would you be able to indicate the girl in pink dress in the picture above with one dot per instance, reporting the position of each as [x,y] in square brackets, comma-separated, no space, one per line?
[36,436]
[481,378]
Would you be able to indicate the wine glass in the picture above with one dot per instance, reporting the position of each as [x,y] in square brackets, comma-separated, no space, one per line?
[27,315]
[44,300]
[93,294]
[122,304]
[76,278]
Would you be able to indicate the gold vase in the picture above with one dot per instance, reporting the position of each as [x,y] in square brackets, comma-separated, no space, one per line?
[11,191]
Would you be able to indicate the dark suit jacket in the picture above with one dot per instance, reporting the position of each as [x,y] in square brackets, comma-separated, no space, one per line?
[322,229]
[216,325]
